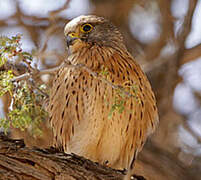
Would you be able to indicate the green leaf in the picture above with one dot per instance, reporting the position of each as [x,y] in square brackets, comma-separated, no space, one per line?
[5,82]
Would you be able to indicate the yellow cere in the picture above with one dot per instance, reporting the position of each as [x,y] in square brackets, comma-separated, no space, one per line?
[73,35]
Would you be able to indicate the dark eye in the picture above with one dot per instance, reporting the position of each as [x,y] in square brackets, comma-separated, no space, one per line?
[86,28]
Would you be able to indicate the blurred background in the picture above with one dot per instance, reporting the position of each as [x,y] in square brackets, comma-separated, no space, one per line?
[165,39]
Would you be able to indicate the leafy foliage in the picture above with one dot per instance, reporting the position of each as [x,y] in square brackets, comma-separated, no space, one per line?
[9,48]
[121,96]
[5,82]
[118,104]
[122,93]
[26,110]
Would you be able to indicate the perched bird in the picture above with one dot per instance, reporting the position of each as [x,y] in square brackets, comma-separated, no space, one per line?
[105,118]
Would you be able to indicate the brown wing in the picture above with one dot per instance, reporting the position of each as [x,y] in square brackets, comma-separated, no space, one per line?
[64,99]
[140,117]
[145,102]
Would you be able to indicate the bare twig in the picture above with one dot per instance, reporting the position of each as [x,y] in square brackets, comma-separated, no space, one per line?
[32,83]
[167,25]
[38,73]
[117,87]
[94,74]
[185,30]
[191,54]
[54,13]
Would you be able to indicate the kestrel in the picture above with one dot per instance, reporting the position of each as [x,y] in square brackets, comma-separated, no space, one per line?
[83,108]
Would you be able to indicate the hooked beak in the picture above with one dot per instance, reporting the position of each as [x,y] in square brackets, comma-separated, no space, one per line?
[71,38]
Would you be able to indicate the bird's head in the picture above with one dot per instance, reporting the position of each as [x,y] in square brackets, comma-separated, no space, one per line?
[92,30]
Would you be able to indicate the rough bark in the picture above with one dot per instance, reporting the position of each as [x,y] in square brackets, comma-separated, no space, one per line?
[20,162]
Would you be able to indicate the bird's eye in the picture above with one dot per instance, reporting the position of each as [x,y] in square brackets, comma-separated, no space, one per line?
[86,28]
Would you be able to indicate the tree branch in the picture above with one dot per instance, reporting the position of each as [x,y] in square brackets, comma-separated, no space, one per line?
[20,162]
[185,30]
[191,54]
